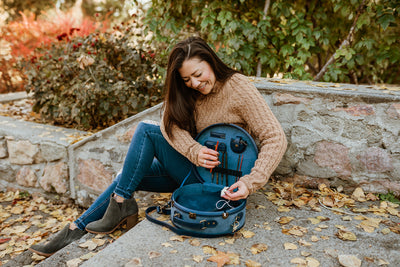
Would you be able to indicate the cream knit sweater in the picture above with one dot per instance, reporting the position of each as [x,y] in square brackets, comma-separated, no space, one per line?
[237,102]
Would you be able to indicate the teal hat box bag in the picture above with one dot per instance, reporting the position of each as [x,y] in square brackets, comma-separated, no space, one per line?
[198,209]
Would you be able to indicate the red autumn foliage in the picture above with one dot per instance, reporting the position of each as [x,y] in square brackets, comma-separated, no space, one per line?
[25,35]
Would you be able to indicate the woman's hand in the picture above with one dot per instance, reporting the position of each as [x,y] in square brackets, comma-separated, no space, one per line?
[241,193]
[208,158]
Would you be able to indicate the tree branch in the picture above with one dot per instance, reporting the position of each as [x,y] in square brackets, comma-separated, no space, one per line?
[346,42]
[266,7]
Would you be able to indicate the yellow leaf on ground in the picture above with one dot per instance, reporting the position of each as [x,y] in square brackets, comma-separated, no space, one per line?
[90,245]
[197,258]
[285,219]
[251,263]
[74,262]
[247,233]
[220,258]
[283,209]
[311,262]
[349,260]
[154,254]
[304,243]
[209,250]
[300,261]
[194,242]
[290,246]
[359,195]
[166,244]
[257,248]
[346,235]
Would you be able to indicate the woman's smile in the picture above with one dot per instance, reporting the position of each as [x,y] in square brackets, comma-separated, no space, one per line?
[198,75]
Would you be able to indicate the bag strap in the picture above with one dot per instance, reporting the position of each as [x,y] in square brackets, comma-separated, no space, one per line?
[177,230]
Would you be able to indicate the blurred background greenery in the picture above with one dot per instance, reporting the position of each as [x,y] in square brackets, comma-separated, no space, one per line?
[92,63]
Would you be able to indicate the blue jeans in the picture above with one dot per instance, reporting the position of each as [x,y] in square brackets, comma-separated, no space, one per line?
[151,164]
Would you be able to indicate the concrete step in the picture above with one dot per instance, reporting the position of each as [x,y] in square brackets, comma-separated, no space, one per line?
[152,245]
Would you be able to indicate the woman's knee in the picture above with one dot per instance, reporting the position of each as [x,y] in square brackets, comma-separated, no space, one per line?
[144,126]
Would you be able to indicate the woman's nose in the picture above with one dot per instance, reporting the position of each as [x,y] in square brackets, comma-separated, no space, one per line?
[194,82]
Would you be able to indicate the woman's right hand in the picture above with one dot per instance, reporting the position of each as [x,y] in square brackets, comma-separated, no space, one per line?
[208,158]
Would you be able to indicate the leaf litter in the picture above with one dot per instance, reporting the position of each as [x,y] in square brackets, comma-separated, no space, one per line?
[286,196]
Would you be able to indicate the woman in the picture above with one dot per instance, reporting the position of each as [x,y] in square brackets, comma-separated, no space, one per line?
[200,91]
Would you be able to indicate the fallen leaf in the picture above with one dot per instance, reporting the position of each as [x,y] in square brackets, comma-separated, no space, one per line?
[87,256]
[209,250]
[221,258]
[134,262]
[304,243]
[314,238]
[251,263]
[314,220]
[385,231]
[166,245]
[346,235]
[179,238]
[382,262]
[285,219]
[359,195]
[290,246]
[283,209]
[230,241]
[247,233]
[89,244]
[173,251]
[257,248]
[198,258]
[311,262]
[305,253]
[300,261]
[74,262]
[194,242]
[154,254]
[349,260]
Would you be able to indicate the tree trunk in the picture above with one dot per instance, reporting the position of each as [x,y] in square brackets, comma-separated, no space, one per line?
[346,42]
[266,7]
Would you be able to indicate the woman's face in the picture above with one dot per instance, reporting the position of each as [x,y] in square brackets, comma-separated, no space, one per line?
[198,75]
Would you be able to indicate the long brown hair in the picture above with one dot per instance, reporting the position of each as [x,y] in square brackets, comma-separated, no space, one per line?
[179,99]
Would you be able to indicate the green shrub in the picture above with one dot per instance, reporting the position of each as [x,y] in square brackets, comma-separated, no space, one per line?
[95,81]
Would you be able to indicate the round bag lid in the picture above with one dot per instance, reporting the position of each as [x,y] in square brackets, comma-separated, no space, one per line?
[237,153]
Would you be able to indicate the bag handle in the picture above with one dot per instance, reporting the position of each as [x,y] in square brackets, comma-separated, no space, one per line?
[175,229]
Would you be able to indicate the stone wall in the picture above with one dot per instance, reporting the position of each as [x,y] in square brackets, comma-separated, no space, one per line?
[34,157]
[339,134]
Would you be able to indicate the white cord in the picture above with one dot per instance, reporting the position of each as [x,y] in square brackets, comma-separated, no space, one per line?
[225,203]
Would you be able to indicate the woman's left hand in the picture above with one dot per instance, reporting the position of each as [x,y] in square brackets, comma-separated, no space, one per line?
[241,193]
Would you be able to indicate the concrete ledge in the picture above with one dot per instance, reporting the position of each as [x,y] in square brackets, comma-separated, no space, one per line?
[340,134]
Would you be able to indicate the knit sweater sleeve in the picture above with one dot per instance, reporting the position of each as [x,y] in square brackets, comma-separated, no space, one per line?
[264,126]
[182,142]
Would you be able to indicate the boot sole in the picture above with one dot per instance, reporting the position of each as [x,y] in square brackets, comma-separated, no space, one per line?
[130,222]
[41,253]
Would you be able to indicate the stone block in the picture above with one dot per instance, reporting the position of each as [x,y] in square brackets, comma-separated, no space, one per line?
[358,110]
[52,152]
[394,111]
[376,159]
[94,175]
[7,171]
[26,177]
[55,177]
[286,98]
[21,152]
[127,136]
[3,149]
[334,156]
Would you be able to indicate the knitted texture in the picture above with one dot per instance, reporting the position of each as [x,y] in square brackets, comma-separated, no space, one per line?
[238,102]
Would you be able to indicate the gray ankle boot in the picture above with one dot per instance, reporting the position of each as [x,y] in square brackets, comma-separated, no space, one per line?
[62,239]
[115,215]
